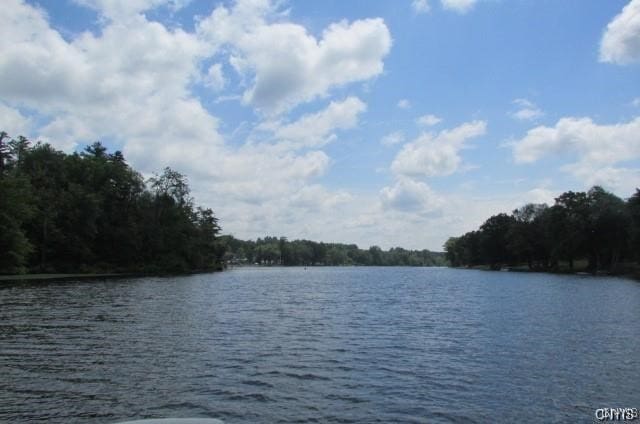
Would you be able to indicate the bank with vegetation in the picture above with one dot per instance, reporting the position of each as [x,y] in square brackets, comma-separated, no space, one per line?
[593,231]
[91,212]
[280,251]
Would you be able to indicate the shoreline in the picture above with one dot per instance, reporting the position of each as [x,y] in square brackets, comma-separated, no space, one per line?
[64,277]
[633,274]
[27,278]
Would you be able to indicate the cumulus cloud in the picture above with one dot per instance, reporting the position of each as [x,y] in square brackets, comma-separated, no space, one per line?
[131,83]
[620,43]
[261,173]
[13,122]
[526,110]
[288,66]
[436,154]
[316,129]
[315,196]
[623,180]
[393,138]
[597,148]
[428,120]
[408,195]
[540,195]
[106,85]
[420,6]
[459,6]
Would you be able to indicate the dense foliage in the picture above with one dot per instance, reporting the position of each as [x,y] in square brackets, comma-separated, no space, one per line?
[90,211]
[595,227]
[280,251]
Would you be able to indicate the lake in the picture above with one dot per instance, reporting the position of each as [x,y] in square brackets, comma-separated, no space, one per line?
[321,345]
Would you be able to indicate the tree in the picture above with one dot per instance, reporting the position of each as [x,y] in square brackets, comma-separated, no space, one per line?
[452,251]
[173,185]
[18,148]
[525,236]
[596,225]
[16,206]
[4,151]
[609,229]
[336,256]
[572,215]
[208,251]
[44,166]
[91,211]
[494,239]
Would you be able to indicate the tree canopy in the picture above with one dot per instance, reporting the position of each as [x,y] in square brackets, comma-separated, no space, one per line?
[596,227]
[280,251]
[92,212]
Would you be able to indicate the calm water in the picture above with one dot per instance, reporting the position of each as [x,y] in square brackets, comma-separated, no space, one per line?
[321,345]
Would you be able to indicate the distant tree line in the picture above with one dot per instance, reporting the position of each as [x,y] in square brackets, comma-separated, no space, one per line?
[595,228]
[280,251]
[91,212]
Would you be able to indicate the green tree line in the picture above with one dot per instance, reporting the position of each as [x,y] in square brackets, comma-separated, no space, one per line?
[595,228]
[91,212]
[280,251]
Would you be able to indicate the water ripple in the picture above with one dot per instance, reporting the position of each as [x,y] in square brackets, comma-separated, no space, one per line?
[341,345]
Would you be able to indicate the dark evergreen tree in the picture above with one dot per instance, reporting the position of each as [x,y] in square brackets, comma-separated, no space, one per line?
[92,212]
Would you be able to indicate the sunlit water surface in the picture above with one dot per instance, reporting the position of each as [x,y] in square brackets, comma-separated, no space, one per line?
[321,345]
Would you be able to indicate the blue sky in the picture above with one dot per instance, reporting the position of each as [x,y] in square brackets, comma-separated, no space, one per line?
[395,123]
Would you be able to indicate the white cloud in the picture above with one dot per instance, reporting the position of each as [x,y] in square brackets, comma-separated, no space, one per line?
[459,6]
[393,138]
[428,120]
[315,196]
[622,180]
[404,104]
[254,174]
[620,43]
[287,65]
[420,6]
[13,122]
[106,85]
[313,130]
[436,154]
[604,144]
[408,195]
[110,85]
[635,102]
[131,83]
[527,110]
[540,195]
[597,148]
[215,78]
[413,215]
[66,132]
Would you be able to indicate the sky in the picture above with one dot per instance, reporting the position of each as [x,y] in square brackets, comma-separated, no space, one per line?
[389,123]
